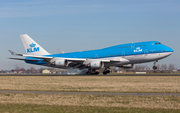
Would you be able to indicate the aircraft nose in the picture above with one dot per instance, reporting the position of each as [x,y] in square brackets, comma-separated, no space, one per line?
[170,50]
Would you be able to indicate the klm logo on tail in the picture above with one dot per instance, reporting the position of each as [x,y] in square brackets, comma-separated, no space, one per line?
[32,48]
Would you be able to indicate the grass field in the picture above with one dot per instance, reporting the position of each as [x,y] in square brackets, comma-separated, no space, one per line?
[32,108]
[61,103]
[101,102]
[143,84]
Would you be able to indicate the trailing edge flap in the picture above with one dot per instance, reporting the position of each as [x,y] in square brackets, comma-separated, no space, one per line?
[47,59]
[42,57]
[25,59]
[34,56]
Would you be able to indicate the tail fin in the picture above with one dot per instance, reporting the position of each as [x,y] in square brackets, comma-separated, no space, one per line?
[31,47]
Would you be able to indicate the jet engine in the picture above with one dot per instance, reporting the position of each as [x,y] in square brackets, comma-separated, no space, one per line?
[61,63]
[128,66]
[96,65]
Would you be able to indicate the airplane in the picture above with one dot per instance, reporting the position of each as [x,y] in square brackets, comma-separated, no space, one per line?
[124,56]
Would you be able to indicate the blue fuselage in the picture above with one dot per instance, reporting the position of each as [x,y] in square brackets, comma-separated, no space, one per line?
[131,51]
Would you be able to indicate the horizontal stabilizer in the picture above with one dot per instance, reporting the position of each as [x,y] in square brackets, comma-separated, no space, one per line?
[13,53]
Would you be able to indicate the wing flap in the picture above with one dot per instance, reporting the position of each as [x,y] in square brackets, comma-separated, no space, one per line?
[25,59]
[46,57]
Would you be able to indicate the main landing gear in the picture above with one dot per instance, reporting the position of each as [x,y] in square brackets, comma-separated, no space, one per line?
[92,72]
[106,71]
[155,67]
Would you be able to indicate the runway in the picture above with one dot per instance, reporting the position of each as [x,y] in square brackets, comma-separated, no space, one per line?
[92,93]
[155,74]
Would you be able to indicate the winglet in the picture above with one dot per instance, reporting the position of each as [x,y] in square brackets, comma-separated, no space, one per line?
[13,53]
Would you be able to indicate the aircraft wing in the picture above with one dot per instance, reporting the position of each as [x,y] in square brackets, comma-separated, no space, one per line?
[49,58]
[25,59]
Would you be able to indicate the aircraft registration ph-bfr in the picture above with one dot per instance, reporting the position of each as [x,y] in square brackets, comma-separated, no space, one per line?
[125,56]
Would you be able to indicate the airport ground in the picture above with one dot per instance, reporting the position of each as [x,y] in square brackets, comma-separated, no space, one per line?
[82,102]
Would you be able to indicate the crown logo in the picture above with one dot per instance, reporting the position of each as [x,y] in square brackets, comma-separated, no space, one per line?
[138,48]
[32,45]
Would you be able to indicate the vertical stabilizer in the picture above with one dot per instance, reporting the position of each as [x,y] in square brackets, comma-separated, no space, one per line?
[31,47]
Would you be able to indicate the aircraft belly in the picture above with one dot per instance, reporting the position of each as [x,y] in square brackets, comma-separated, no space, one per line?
[157,56]
[163,55]
[142,58]
[149,57]
[146,58]
[113,64]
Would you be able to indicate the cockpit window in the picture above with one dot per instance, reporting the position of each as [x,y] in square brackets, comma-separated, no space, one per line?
[157,43]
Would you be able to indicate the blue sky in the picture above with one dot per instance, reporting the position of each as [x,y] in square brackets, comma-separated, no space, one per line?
[75,25]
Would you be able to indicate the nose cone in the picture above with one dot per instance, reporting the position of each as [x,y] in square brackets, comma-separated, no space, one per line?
[170,50]
[167,52]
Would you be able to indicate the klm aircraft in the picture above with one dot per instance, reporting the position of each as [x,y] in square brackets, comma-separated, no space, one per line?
[125,56]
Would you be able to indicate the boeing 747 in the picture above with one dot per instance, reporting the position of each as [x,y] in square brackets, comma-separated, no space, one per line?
[124,55]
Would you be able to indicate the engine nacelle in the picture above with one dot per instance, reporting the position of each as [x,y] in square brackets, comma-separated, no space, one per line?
[96,65]
[61,63]
[128,66]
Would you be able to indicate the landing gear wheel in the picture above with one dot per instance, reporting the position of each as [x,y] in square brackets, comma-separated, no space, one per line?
[154,67]
[96,73]
[92,72]
[104,73]
[107,71]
